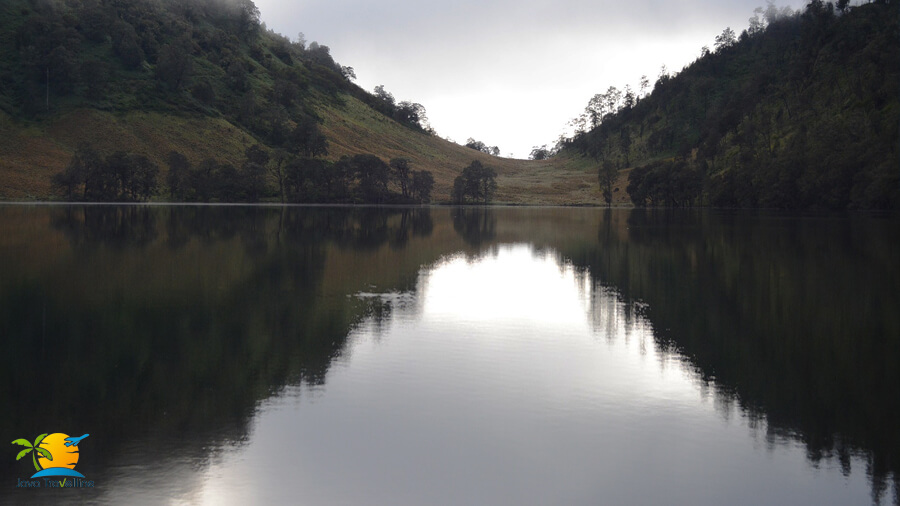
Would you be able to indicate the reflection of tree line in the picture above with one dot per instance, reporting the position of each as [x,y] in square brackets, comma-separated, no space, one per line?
[191,359]
[476,225]
[133,226]
[763,309]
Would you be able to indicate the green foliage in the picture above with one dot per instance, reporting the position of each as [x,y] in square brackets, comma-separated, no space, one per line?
[476,184]
[800,111]
[120,177]
[402,175]
[33,449]
[415,185]
[306,139]
[484,148]
[174,66]
[406,113]
[177,177]
[144,54]
[606,174]
[298,179]
[540,153]
[422,185]
[253,172]
[665,183]
[372,175]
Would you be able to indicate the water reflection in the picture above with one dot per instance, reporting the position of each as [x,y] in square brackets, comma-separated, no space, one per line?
[580,350]
[790,319]
[476,225]
[161,326]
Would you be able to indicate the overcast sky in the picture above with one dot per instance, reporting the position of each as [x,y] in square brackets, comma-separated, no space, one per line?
[510,73]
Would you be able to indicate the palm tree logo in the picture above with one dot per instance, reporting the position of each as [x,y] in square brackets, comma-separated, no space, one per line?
[52,455]
[34,450]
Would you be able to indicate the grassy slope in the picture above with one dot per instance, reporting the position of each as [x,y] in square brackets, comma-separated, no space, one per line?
[355,128]
[31,153]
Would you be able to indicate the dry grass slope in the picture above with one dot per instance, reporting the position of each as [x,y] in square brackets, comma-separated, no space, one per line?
[31,154]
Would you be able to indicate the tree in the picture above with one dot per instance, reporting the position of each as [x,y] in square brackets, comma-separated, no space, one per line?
[725,39]
[307,140]
[141,183]
[476,183]
[177,177]
[321,54]
[757,25]
[458,192]
[539,153]
[308,180]
[236,76]
[95,76]
[484,148]
[174,66]
[629,98]
[285,92]
[625,143]
[201,181]
[645,85]
[63,67]
[128,177]
[280,157]
[476,145]
[411,114]
[595,110]
[125,44]
[373,176]
[254,172]
[248,18]
[401,173]
[422,184]
[607,177]
[383,95]
[204,92]
[613,100]
[72,179]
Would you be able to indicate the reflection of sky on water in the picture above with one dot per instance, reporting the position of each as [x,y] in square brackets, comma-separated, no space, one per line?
[512,380]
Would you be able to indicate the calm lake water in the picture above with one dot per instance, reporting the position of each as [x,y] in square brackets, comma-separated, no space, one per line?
[445,356]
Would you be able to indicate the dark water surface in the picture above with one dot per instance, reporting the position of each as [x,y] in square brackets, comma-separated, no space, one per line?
[255,355]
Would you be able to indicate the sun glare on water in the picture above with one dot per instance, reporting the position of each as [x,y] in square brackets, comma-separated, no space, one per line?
[516,284]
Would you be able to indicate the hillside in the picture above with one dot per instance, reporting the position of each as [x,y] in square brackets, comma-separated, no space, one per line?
[801,111]
[206,79]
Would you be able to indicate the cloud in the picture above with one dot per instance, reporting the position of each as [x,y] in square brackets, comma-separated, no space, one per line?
[513,71]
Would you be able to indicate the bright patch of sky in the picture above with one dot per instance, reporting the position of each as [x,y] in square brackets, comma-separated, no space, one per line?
[509,73]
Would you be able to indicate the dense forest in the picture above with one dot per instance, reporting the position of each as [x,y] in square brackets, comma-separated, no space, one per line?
[208,56]
[799,111]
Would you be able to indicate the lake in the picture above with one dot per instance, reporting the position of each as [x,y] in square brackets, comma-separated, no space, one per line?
[452,356]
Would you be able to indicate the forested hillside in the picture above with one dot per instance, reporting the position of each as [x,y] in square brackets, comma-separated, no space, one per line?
[799,111]
[208,56]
